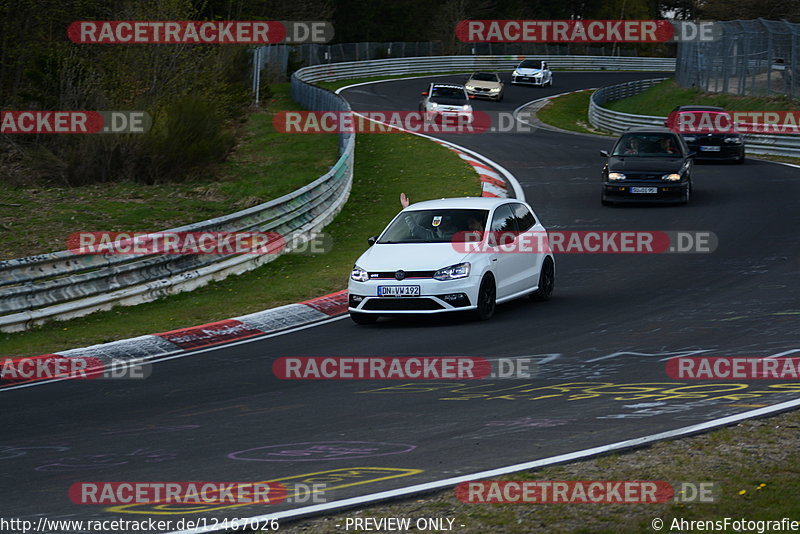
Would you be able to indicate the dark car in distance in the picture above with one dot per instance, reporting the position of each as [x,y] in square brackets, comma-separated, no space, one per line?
[709,146]
[647,164]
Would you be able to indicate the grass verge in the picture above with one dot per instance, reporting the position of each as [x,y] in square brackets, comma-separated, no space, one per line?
[756,464]
[569,112]
[663,97]
[386,165]
[265,165]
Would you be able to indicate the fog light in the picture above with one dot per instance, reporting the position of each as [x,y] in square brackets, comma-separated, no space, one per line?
[355,300]
[456,300]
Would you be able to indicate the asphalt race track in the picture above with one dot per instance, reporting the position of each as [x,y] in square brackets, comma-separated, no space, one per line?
[220,415]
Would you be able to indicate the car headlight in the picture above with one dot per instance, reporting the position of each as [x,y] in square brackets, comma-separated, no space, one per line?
[359,274]
[690,138]
[672,177]
[469,87]
[616,176]
[459,270]
[734,140]
[494,90]
[466,107]
[433,105]
[515,73]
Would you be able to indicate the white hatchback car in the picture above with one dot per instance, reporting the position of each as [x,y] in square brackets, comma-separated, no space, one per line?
[437,256]
[532,72]
[446,100]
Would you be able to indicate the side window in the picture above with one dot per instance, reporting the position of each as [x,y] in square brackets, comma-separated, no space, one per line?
[504,226]
[525,219]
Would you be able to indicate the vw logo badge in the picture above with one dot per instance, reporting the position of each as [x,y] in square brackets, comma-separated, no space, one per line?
[399,275]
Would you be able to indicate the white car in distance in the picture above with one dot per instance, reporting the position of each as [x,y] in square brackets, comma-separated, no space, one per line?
[532,72]
[446,101]
[449,255]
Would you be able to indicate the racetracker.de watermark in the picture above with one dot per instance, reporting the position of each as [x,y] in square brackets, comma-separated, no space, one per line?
[585,492]
[403,368]
[736,368]
[450,121]
[585,31]
[54,366]
[585,242]
[734,122]
[201,493]
[199,32]
[74,122]
[189,243]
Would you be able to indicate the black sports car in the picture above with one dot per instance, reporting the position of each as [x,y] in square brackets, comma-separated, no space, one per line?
[709,145]
[649,164]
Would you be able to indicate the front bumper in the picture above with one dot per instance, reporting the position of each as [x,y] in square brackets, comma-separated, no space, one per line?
[485,94]
[435,296]
[528,80]
[453,117]
[665,191]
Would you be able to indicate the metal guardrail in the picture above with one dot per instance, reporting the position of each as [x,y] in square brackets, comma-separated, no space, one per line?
[617,121]
[417,65]
[62,285]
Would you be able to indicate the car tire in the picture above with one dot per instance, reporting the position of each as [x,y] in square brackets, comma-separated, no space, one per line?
[487,298]
[740,161]
[604,201]
[547,281]
[363,318]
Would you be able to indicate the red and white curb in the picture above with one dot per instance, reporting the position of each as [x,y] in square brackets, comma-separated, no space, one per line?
[492,183]
[261,323]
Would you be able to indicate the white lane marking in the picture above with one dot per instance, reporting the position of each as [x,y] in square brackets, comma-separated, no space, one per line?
[184,353]
[515,185]
[448,482]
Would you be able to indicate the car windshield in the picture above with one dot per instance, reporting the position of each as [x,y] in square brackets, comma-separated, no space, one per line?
[647,145]
[531,64]
[485,77]
[436,226]
[452,96]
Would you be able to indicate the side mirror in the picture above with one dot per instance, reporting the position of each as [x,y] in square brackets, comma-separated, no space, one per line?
[604,153]
[424,93]
[372,240]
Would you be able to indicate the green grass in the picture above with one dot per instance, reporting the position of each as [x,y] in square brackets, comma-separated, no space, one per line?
[386,165]
[662,98]
[265,165]
[568,112]
[756,464]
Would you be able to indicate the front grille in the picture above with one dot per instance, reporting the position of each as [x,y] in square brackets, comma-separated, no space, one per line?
[386,275]
[402,304]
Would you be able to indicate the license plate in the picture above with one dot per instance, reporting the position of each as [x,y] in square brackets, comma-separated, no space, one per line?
[709,148]
[648,190]
[398,291]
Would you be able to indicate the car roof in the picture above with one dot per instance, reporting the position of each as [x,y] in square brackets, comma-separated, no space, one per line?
[485,203]
[700,108]
[648,129]
[451,85]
